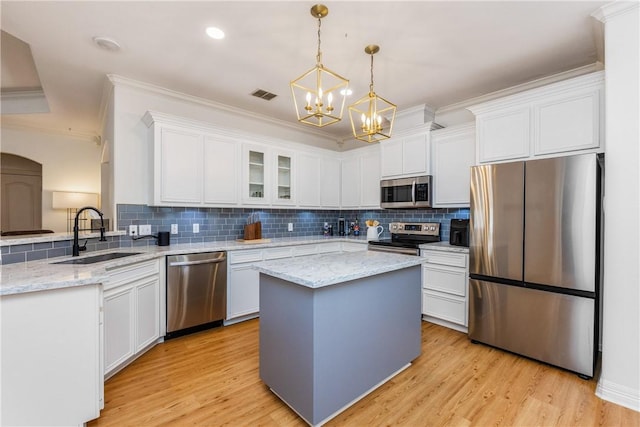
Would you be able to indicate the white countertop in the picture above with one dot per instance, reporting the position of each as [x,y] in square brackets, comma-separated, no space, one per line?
[51,237]
[45,275]
[445,247]
[316,271]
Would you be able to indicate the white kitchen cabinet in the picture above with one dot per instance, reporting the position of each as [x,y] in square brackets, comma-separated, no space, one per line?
[51,345]
[360,186]
[406,154]
[284,191]
[255,179]
[370,179]
[558,119]
[453,154]
[178,158]
[350,184]
[221,164]
[308,180]
[191,166]
[445,277]
[330,180]
[131,313]
[243,291]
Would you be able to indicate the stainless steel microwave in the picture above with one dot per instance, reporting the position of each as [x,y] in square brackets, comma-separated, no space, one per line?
[406,193]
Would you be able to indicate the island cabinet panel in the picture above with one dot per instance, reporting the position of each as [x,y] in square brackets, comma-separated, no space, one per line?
[554,120]
[322,349]
[51,345]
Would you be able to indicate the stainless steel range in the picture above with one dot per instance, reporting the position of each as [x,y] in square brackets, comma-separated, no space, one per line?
[406,237]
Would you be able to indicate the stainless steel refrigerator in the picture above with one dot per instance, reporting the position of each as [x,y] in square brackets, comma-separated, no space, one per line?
[534,255]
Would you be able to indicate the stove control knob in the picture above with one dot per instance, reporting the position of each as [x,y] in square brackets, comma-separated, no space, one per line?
[433,228]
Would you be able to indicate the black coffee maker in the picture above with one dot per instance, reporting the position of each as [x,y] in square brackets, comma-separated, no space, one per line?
[459,232]
[342,224]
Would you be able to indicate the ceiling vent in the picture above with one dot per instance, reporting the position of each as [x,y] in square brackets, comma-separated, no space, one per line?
[267,96]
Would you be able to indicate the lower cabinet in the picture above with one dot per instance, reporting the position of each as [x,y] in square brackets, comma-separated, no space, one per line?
[131,313]
[444,288]
[243,281]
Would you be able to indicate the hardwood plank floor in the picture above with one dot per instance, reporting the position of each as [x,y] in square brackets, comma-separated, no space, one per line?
[211,379]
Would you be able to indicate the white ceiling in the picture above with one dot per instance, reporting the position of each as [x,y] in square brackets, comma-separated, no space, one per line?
[432,52]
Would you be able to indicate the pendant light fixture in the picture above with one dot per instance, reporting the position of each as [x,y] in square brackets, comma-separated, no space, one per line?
[319,94]
[372,116]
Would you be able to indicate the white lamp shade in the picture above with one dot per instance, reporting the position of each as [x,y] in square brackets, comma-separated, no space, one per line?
[73,200]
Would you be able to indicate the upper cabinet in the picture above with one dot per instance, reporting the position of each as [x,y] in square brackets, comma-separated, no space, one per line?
[360,181]
[453,154]
[406,154]
[191,167]
[562,117]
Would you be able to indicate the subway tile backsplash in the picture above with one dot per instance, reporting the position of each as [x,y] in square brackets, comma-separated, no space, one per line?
[228,223]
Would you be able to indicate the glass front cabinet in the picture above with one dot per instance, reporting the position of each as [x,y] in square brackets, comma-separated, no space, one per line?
[268,176]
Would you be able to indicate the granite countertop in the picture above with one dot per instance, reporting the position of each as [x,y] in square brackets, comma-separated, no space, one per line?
[45,275]
[316,271]
[52,237]
[444,246]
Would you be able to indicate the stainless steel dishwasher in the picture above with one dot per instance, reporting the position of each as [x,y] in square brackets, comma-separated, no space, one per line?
[196,292]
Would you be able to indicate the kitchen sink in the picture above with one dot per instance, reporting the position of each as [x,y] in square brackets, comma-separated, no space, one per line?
[98,258]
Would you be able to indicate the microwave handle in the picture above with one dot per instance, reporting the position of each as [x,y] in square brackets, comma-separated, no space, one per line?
[413,193]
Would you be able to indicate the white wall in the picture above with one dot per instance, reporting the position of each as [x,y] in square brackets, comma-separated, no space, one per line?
[68,164]
[620,377]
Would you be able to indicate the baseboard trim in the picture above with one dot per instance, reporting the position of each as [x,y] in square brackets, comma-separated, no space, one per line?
[618,394]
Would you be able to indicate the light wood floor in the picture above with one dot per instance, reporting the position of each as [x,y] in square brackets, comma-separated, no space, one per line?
[211,379]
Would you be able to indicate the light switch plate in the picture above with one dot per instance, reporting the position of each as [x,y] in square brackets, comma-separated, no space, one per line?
[290,226]
[145,230]
[174,228]
[196,228]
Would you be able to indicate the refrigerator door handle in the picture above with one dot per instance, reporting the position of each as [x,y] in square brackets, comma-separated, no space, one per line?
[413,193]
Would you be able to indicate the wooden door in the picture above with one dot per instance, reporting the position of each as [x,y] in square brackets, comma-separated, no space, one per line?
[21,193]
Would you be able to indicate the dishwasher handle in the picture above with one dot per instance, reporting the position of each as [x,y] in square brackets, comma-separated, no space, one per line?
[203,261]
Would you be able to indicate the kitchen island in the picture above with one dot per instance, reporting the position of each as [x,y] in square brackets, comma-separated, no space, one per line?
[335,327]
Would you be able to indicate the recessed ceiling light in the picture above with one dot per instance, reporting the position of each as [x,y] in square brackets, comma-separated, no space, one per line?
[346,92]
[215,33]
[106,43]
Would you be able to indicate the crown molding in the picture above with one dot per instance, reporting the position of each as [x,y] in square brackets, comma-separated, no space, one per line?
[597,66]
[85,136]
[125,81]
[614,9]
[27,101]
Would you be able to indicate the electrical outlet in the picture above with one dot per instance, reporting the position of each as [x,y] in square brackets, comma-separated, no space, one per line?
[145,230]
[196,228]
[174,228]
[290,226]
[133,230]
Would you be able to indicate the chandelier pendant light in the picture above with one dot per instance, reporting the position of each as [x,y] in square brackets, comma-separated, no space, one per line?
[372,116]
[319,94]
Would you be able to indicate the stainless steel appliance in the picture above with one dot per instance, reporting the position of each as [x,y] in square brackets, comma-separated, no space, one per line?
[535,259]
[406,192]
[196,292]
[406,238]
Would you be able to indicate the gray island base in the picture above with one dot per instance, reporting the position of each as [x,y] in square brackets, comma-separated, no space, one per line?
[324,348]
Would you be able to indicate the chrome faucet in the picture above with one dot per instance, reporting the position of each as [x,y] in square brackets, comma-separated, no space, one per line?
[76,246]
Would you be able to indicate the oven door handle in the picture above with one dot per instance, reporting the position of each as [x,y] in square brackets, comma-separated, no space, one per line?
[413,193]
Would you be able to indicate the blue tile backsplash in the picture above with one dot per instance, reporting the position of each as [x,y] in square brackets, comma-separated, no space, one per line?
[228,223]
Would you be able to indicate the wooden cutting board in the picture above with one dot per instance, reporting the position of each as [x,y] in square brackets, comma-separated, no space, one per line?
[253,241]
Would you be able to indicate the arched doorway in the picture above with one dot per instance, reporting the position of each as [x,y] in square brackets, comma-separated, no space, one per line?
[21,193]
